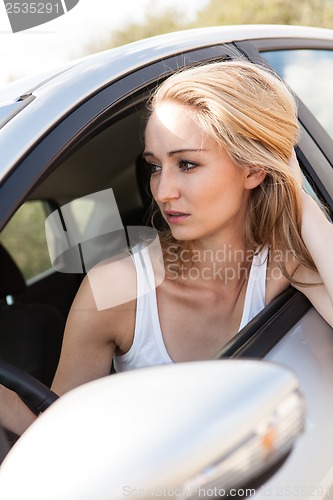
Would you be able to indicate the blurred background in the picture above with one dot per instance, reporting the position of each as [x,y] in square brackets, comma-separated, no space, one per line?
[96,25]
[222,12]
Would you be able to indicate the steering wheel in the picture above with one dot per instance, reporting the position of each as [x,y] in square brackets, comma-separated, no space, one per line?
[37,396]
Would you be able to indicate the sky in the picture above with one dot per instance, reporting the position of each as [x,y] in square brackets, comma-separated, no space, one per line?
[65,38]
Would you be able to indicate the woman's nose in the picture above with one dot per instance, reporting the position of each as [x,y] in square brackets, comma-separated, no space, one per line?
[165,186]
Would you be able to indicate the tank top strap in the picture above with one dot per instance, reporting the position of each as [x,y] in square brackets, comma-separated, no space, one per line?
[147,348]
[256,287]
[154,320]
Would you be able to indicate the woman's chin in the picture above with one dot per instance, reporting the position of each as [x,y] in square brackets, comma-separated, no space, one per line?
[181,235]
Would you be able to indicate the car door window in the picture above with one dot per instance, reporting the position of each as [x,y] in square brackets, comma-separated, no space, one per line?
[309,73]
[24,238]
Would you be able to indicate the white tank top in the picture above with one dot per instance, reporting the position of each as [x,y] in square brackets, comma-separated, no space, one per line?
[148,348]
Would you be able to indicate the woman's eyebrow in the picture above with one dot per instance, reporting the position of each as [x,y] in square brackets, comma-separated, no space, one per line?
[176,151]
[186,150]
[147,153]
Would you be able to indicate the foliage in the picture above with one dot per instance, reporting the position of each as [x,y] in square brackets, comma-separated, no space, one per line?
[317,13]
[24,238]
[307,12]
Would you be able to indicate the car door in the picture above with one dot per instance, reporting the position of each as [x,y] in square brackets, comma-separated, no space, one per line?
[307,343]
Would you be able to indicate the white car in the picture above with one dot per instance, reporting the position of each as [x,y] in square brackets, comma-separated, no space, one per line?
[67,138]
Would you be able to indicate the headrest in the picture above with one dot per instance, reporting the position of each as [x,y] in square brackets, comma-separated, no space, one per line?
[11,279]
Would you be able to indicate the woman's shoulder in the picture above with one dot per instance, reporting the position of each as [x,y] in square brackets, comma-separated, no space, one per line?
[112,282]
[104,307]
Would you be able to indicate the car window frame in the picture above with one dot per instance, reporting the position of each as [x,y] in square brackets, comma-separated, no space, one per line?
[107,104]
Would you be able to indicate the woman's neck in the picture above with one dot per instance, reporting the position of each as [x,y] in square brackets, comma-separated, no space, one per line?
[220,262]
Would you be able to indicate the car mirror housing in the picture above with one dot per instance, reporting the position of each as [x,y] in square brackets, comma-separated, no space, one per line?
[176,430]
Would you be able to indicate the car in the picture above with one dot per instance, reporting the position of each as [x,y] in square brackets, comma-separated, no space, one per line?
[70,151]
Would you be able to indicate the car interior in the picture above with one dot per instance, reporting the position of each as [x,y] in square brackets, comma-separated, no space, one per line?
[34,309]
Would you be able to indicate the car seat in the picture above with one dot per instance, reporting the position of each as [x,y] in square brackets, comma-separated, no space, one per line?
[30,333]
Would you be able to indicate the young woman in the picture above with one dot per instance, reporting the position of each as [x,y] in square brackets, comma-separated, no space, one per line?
[238,229]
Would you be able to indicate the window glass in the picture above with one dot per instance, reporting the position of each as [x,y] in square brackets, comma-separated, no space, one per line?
[309,73]
[24,238]
[85,231]
[82,211]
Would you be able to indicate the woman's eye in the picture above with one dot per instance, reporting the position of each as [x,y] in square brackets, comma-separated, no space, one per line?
[186,166]
[152,168]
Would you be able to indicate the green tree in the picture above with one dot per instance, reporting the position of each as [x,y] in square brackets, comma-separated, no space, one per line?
[317,13]
[306,12]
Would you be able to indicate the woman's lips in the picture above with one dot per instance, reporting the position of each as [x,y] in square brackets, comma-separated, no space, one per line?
[174,217]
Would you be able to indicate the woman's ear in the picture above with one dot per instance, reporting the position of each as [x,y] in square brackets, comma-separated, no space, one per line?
[254,177]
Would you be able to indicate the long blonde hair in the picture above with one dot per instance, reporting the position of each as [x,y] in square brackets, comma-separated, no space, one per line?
[250,113]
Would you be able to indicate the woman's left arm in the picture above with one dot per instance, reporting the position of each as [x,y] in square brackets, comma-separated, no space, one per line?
[317,234]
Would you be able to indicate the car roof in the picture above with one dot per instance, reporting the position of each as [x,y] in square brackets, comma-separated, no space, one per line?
[162,45]
[57,91]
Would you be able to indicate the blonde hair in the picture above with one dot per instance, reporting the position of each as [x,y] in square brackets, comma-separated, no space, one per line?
[250,113]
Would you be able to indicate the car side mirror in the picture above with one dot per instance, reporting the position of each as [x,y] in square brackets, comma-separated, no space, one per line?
[176,430]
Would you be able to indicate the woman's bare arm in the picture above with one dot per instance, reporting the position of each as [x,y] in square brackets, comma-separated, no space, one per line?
[101,319]
[14,414]
[317,234]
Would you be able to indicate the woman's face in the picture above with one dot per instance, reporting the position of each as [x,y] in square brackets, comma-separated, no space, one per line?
[200,191]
